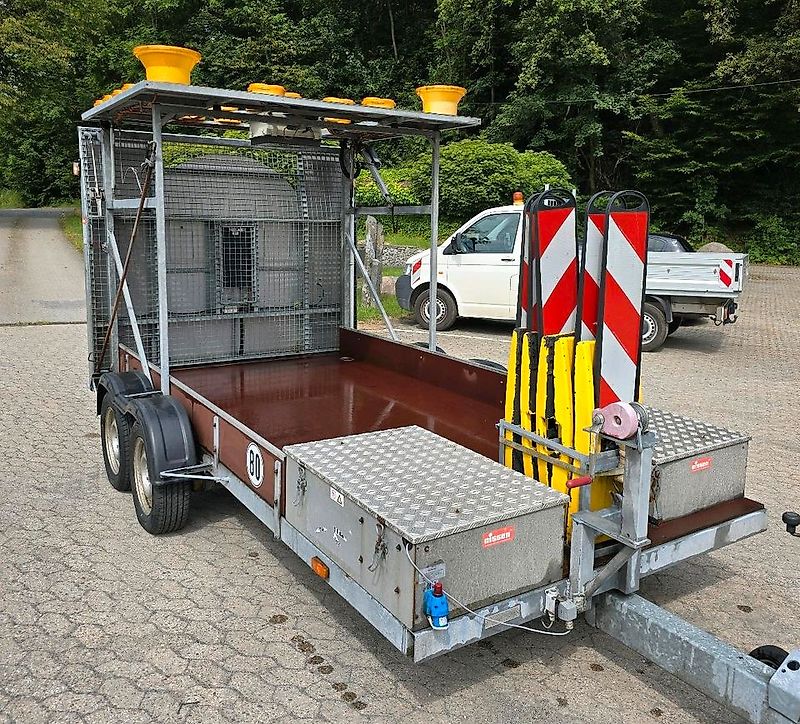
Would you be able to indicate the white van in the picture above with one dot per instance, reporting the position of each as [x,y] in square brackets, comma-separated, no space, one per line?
[478,275]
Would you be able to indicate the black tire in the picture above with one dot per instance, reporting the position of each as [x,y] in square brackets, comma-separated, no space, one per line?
[770,655]
[115,438]
[490,364]
[448,310]
[424,345]
[654,327]
[159,508]
[675,324]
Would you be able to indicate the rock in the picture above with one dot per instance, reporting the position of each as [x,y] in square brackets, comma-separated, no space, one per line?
[715,247]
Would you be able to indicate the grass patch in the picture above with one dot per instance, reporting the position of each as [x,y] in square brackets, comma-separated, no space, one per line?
[10,199]
[72,226]
[392,271]
[372,314]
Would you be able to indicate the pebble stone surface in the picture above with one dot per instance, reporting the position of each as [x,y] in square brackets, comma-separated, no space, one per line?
[101,622]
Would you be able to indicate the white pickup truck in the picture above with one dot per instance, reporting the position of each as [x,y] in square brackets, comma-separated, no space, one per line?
[478,274]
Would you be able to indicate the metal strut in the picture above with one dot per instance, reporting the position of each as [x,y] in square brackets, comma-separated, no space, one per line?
[147,165]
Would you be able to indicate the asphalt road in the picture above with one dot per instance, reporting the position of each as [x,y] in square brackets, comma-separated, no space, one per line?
[101,622]
[41,276]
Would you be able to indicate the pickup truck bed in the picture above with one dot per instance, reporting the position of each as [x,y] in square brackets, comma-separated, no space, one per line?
[701,274]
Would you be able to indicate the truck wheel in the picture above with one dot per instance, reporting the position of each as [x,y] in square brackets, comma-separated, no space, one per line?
[115,437]
[446,310]
[654,327]
[770,655]
[159,508]
[675,324]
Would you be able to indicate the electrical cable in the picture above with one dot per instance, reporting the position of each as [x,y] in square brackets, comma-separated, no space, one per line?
[480,615]
[674,91]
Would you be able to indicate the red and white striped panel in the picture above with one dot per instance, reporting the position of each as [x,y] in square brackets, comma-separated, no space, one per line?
[526,286]
[726,272]
[590,275]
[619,337]
[557,257]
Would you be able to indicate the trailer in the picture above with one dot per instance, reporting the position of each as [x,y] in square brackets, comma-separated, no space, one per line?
[223,348]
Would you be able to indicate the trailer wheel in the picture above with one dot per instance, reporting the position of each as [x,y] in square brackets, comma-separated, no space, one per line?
[115,438]
[770,655]
[446,309]
[159,508]
[654,327]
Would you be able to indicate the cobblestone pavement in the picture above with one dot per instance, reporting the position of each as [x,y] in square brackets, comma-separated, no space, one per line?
[101,622]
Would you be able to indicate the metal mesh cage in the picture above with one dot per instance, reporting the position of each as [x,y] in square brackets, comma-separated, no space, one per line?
[253,239]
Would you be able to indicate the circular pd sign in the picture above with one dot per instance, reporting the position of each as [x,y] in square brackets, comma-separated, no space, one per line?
[255,465]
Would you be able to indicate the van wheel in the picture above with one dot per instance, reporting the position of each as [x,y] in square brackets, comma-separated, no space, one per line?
[115,438]
[446,310]
[654,327]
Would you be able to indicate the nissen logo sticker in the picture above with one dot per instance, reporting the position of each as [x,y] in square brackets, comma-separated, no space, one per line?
[498,536]
[700,464]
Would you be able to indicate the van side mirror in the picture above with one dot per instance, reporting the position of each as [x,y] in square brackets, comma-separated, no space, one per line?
[458,245]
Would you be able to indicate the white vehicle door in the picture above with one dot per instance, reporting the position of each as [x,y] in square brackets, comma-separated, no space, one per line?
[482,266]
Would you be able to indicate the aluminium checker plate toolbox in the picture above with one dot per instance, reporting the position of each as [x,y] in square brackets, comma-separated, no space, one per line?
[485,531]
[695,465]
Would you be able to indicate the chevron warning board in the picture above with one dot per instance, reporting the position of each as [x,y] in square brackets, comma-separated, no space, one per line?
[622,284]
[591,267]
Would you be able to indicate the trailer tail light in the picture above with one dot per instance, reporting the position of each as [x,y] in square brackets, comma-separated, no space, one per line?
[320,568]
[519,199]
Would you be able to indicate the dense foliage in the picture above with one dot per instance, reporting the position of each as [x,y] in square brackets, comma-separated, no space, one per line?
[694,102]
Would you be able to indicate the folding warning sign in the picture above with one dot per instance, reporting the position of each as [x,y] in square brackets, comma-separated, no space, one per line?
[622,287]
[591,267]
[554,253]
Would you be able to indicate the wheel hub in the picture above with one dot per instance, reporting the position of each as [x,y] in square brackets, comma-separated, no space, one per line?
[111,436]
[141,476]
[648,328]
[441,310]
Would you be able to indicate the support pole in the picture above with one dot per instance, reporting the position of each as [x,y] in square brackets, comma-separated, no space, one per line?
[433,288]
[161,255]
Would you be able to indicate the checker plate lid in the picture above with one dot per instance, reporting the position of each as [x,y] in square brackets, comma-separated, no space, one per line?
[680,437]
[423,485]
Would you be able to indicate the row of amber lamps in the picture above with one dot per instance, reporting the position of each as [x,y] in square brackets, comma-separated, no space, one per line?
[171,64]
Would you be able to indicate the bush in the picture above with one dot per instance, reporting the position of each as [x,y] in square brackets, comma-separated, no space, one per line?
[397,182]
[476,175]
[773,241]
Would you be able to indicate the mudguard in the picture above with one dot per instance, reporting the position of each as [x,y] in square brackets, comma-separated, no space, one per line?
[121,383]
[167,432]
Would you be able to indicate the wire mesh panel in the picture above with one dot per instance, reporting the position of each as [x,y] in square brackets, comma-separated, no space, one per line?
[94,238]
[253,239]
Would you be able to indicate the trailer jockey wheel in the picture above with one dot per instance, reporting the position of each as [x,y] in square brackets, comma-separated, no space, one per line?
[161,441]
[115,437]
[654,327]
[770,655]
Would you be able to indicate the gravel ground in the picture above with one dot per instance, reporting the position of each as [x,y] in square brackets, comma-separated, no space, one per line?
[101,622]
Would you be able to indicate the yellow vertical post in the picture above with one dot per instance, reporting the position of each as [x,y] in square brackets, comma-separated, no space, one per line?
[540,423]
[584,406]
[563,352]
[527,393]
[512,394]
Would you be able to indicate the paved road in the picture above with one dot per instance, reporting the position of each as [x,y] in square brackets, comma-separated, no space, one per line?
[101,622]
[41,274]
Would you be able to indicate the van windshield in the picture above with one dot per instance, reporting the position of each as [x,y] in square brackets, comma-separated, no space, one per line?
[493,234]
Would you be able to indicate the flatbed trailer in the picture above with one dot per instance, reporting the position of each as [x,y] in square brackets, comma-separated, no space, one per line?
[234,361]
